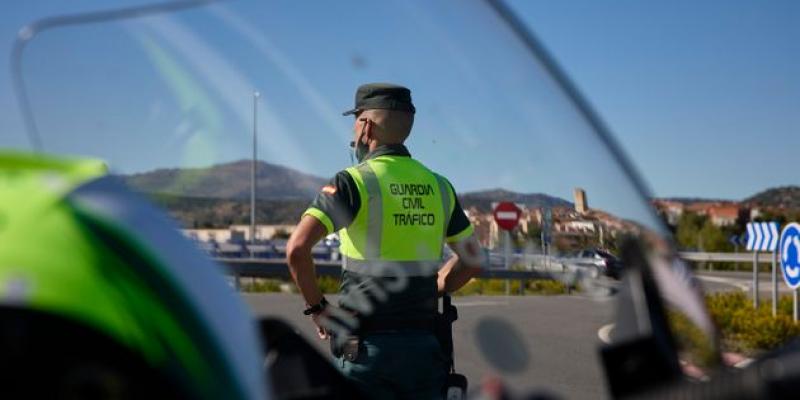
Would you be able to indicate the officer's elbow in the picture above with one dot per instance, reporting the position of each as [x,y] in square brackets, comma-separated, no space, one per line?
[296,252]
[473,271]
[469,266]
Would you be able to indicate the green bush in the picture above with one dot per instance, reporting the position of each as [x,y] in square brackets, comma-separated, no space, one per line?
[473,287]
[330,285]
[498,287]
[693,344]
[746,329]
[262,286]
[545,286]
[327,284]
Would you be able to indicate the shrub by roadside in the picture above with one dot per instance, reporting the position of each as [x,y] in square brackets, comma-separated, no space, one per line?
[327,284]
[262,286]
[488,287]
[745,329]
[498,287]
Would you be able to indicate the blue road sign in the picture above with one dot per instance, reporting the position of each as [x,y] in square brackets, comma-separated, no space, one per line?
[762,236]
[734,240]
[790,254]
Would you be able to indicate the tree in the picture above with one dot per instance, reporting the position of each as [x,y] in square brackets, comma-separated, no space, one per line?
[714,238]
[688,230]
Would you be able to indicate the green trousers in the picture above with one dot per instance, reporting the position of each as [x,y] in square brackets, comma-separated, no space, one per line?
[401,365]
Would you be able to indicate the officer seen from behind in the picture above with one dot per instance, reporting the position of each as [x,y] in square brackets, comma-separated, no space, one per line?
[394,216]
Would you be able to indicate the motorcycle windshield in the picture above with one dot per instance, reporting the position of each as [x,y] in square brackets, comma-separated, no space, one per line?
[172,100]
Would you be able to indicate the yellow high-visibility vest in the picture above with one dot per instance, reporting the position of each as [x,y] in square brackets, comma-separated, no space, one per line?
[402,222]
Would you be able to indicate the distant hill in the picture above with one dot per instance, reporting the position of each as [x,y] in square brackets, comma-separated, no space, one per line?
[693,200]
[219,196]
[483,200]
[206,212]
[228,181]
[780,197]
[200,212]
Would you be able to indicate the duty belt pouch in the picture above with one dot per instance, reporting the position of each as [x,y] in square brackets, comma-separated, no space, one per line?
[348,350]
[456,387]
[351,346]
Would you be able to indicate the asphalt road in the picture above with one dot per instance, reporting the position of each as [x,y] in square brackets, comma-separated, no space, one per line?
[558,336]
[718,281]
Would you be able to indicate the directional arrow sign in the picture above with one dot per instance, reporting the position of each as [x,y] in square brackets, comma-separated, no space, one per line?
[762,236]
[759,236]
[790,255]
[773,233]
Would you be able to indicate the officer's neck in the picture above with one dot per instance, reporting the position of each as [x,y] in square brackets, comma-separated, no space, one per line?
[374,144]
[397,149]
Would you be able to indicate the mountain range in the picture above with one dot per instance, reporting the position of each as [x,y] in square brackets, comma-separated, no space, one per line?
[231,181]
[219,195]
[780,197]
[482,200]
[228,181]
[786,197]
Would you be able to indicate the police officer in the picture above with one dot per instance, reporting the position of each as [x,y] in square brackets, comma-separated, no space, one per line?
[394,216]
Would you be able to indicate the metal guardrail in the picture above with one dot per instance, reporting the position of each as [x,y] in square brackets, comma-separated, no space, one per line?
[725,257]
[276,268]
[273,268]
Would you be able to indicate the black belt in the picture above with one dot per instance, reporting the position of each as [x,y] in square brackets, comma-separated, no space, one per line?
[388,325]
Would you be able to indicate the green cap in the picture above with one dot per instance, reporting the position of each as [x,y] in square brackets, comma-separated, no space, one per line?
[385,96]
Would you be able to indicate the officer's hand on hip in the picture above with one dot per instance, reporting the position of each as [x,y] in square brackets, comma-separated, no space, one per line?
[320,319]
[327,318]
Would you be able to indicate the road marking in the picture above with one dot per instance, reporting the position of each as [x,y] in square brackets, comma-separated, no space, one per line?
[743,286]
[605,333]
[598,297]
[480,303]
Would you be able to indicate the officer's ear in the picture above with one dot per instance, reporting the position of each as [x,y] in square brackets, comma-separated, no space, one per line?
[366,128]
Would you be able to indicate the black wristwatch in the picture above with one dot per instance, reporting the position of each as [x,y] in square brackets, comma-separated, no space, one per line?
[317,308]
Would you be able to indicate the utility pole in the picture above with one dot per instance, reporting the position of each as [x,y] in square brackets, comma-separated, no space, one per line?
[253,176]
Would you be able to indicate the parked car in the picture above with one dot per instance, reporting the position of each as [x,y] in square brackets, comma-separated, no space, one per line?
[594,262]
[606,263]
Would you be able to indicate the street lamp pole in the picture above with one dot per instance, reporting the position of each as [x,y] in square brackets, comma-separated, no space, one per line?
[253,175]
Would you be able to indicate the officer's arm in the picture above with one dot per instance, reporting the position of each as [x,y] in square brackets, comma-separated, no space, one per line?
[464,265]
[298,255]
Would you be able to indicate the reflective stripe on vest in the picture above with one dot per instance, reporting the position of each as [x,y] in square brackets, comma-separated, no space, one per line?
[445,195]
[374,235]
[402,222]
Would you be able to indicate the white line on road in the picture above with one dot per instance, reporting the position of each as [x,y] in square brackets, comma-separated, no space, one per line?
[727,281]
[480,303]
[605,333]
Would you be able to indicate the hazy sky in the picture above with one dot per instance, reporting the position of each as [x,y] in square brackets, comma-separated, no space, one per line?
[703,96]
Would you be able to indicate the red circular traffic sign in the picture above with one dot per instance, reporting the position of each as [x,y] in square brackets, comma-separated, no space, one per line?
[507,214]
